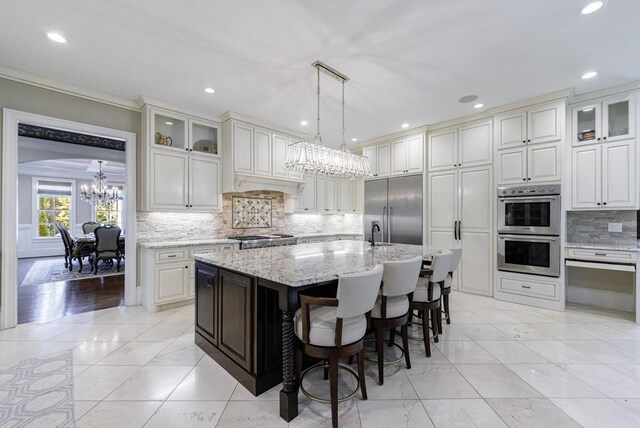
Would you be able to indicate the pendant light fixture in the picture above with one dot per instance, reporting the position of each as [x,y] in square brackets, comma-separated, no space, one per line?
[314,157]
[99,194]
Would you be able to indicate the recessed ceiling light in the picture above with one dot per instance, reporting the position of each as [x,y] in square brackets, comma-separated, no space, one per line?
[209,90]
[589,74]
[479,105]
[169,123]
[304,123]
[405,125]
[588,109]
[591,7]
[354,139]
[56,37]
[468,99]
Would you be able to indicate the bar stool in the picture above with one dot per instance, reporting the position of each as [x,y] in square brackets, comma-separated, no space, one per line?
[391,309]
[426,297]
[456,255]
[332,328]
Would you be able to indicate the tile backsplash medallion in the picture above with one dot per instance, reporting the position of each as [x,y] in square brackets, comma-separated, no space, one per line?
[591,227]
[161,226]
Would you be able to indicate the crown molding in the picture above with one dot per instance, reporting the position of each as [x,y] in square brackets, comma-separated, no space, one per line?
[143,101]
[232,115]
[21,76]
[606,92]
[391,137]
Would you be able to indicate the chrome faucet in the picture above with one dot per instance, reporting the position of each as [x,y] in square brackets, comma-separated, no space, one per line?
[373,235]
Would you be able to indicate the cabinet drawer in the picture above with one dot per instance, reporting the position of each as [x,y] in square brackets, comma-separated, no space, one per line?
[529,288]
[166,256]
[613,256]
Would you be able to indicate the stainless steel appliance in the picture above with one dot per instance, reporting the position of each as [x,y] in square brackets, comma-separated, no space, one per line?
[261,241]
[395,205]
[532,209]
[534,254]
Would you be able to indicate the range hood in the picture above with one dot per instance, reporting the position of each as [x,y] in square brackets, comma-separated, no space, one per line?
[248,183]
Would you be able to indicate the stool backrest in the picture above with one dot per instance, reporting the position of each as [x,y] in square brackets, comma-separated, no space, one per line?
[357,292]
[400,277]
[456,255]
[440,265]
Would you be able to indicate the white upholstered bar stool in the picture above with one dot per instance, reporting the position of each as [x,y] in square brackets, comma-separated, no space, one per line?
[426,297]
[456,255]
[392,306]
[331,328]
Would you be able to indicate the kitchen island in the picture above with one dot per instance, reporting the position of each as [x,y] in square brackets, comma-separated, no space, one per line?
[246,299]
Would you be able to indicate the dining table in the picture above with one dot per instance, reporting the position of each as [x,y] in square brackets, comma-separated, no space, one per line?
[84,240]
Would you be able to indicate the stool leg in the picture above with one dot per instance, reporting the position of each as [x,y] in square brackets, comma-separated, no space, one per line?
[446,308]
[405,345]
[439,319]
[434,324]
[392,336]
[326,372]
[425,332]
[380,346]
[333,385]
[361,375]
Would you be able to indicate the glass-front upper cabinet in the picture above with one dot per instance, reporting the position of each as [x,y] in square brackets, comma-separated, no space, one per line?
[169,131]
[610,120]
[204,137]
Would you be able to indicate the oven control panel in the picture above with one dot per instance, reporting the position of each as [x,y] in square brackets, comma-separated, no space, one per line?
[529,190]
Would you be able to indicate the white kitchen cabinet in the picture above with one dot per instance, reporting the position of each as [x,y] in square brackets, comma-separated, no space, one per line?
[370,154]
[399,157]
[358,200]
[345,198]
[460,204]
[512,166]
[243,148]
[529,163]
[383,160]
[262,152]
[171,282]
[604,176]
[308,198]
[279,157]
[467,146]
[325,194]
[168,191]
[608,120]
[537,124]
[204,175]
[407,155]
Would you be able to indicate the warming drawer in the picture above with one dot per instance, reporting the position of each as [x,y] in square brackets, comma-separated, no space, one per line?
[602,256]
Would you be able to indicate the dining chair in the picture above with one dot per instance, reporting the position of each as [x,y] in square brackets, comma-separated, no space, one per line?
[89,227]
[331,328]
[392,306]
[68,247]
[426,297]
[107,246]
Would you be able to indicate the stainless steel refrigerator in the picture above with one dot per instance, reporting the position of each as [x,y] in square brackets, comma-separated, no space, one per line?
[395,204]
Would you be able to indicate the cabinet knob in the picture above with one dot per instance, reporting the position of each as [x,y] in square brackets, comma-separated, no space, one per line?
[604,203]
[529,179]
[186,149]
[599,138]
[187,206]
[524,179]
[604,138]
[598,203]
[528,141]
[524,141]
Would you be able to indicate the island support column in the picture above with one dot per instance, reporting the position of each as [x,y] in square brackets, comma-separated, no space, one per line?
[289,391]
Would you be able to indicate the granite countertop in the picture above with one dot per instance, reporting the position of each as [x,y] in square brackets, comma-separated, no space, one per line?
[324,235]
[305,264]
[190,243]
[619,247]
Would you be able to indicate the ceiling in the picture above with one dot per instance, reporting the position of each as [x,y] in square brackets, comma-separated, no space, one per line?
[408,60]
[74,169]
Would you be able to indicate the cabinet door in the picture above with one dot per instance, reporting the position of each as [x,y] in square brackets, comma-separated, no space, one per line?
[358,199]
[399,157]
[383,158]
[171,282]
[618,119]
[203,137]
[586,176]
[169,131]
[512,166]
[309,194]
[587,122]
[476,146]
[236,294]
[243,149]
[207,301]
[330,194]
[544,124]
[204,183]
[443,151]
[279,157]
[345,195]
[543,163]
[619,175]
[321,193]
[476,199]
[262,153]
[474,272]
[168,182]
[370,153]
[415,153]
[442,206]
[511,130]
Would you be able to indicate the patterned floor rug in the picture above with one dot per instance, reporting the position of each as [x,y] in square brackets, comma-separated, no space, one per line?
[53,270]
[38,392]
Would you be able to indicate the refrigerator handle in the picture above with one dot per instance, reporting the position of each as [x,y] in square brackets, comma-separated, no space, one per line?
[455,230]
[460,230]
[389,225]
[383,227]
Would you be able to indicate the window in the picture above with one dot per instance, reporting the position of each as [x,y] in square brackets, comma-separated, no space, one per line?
[111,212]
[54,204]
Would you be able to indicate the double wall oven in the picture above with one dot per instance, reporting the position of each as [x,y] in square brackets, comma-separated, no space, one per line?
[529,220]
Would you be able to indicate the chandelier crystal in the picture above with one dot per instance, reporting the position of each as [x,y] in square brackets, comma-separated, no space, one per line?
[314,157]
[99,194]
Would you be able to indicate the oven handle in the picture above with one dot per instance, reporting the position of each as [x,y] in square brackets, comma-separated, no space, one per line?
[527,238]
[528,199]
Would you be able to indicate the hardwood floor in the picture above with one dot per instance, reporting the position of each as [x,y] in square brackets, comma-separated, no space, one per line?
[45,302]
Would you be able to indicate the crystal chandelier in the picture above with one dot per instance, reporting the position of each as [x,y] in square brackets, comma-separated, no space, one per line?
[314,157]
[99,194]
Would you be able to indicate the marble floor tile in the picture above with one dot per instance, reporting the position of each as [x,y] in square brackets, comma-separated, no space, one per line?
[631,404]
[396,383]
[187,414]
[82,332]
[603,352]
[451,332]
[178,354]
[531,413]
[34,331]
[483,332]
[242,394]
[631,370]
[8,347]
[150,383]
[251,414]
[630,346]
[465,351]
[495,317]
[42,348]
[561,331]
[597,413]
[119,414]
[558,352]
[134,354]
[604,332]
[419,356]
[88,353]
[606,380]
[207,361]
[511,352]
[522,331]
[393,413]
[122,333]
[198,385]
[528,316]
[162,332]
[313,414]
[552,381]
[96,382]
[80,408]
[469,413]
[440,381]
[496,381]
[465,317]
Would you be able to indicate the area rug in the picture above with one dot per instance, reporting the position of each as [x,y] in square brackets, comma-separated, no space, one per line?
[53,270]
[38,392]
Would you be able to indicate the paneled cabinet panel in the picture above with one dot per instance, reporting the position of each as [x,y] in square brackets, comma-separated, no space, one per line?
[168,191]
[612,119]
[529,163]
[511,129]
[586,177]
[383,160]
[206,281]
[539,124]
[262,152]
[407,155]
[204,175]
[370,154]
[243,149]
[171,282]
[235,335]
[279,157]
[443,151]
[512,166]
[468,146]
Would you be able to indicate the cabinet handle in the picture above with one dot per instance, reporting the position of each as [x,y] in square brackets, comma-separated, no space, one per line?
[171,256]
[306,209]
[598,138]
[190,206]
[524,179]
[604,203]
[528,141]
[187,205]
[186,267]
[526,286]
[604,138]
[186,149]
[529,179]
[598,203]
[210,282]
[601,254]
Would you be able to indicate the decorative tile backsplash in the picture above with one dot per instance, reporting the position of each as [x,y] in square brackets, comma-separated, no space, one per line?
[591,227]
[247,213]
